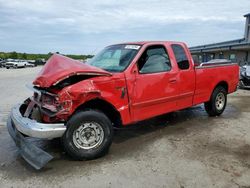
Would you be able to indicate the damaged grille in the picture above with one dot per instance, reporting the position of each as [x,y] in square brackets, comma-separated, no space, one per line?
[46,101]
[51,106]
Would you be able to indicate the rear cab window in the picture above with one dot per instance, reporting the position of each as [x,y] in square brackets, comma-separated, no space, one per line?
[180,56]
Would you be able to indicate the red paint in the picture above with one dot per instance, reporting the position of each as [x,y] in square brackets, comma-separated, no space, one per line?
[147,95]
[58,67]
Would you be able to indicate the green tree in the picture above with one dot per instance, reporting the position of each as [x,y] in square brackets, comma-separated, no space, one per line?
[2,56]
[24,56]
[13,55]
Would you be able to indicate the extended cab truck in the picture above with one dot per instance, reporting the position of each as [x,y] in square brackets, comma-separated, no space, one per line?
[123,84]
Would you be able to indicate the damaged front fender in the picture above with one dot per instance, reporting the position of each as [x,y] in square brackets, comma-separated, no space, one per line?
[73,96]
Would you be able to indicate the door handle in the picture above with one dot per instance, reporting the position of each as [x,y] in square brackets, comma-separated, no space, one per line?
[172,80]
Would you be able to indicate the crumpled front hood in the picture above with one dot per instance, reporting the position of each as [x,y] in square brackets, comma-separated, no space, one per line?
[59,67]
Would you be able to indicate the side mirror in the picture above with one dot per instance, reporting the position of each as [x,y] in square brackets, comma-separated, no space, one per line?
[134,70]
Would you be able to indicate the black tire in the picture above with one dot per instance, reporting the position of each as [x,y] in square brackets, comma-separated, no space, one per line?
[78,119]
[212,107]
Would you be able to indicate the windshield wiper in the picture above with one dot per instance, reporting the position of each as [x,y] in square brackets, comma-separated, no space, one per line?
[112,70]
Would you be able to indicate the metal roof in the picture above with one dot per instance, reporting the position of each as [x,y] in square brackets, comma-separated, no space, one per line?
[151,42]
[219,45]
[246,15]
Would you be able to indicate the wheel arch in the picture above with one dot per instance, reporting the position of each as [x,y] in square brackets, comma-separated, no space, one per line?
[105,107]
[223,84]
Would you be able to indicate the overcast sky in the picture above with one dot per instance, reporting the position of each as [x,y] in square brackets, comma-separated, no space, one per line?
[84,27]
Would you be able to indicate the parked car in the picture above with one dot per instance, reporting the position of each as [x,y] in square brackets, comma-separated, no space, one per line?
[245,77]
[39,62]
[30,64]
[81,103]
[16,64]
[2,63]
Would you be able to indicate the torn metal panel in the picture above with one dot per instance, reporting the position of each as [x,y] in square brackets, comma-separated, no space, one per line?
[35,156]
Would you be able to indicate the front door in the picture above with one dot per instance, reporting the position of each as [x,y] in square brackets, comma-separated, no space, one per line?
[155,88]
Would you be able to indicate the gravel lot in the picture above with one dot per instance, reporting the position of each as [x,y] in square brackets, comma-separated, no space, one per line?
[182,149]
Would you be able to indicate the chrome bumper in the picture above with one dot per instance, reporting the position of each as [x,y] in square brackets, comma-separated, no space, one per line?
[35,129]
[20,127]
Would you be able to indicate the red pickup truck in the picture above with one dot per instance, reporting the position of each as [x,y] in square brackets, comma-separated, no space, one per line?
[123,84]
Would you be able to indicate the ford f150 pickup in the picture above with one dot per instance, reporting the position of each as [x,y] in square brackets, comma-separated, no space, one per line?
[81,103]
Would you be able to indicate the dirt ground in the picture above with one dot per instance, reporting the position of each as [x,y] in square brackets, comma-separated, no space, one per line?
[182,149]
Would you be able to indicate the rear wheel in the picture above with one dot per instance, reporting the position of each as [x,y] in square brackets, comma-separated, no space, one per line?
[89,135]
[217,103]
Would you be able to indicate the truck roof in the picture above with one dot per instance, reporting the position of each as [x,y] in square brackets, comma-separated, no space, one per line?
[152,42]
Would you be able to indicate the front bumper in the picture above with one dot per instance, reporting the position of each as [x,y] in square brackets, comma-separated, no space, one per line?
[9,66]
[35,129]
[22,128]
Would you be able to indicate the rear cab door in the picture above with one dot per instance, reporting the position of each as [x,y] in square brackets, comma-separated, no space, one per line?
[186,75]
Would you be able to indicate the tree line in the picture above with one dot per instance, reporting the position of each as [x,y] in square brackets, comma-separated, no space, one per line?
[37,57]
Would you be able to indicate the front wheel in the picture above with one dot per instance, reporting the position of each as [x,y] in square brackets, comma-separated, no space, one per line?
[89,135]
[217,103]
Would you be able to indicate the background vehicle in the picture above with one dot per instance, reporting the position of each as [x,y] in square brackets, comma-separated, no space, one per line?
[123,84]
[2,63]
[245,77]
[30,64]
[16,64]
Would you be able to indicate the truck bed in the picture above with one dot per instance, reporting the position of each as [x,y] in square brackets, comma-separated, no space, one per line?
[208,75]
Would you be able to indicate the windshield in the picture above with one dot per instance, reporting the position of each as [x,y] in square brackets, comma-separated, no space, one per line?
[115,58]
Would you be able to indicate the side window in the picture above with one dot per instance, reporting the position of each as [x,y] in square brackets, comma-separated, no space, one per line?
[196,59]
[154,59]
[232,57]
[180,56]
